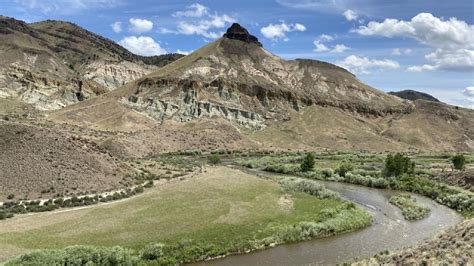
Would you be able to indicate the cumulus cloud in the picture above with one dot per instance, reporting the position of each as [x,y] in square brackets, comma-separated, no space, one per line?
[138,25]
[203,27]
[325,37]
[320,47]
[117,26]
[339,48]
[350,15]
[183,52]
[398,51]
[194,10]
[364,64]
[452,39]
[197,19]
[142,45]
[279,31]
[469,93]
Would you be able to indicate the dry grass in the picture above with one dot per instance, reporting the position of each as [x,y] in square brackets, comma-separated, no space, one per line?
[221,206]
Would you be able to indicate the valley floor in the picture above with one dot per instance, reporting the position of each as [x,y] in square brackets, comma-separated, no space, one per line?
[222,207]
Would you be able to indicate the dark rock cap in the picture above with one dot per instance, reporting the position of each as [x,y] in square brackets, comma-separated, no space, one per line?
[238,32]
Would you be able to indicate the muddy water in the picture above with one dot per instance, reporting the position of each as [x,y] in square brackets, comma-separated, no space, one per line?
[389,231]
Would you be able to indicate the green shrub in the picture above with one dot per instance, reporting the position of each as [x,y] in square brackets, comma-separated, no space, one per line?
[214,159]
[327,172]
[308,163]
[307,186]
[344,168]
[78,255]
[398,164]
[411,210]
[458,161]
[152,252]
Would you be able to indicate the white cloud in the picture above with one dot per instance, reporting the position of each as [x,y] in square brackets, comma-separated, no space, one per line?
[339,48]
[325,37]
[364,64]
[299,27]
[205,26]
[139,25]
[142,45]
[350,15]
[421,68]
[194,10]
[66,7]
[183,52]
[396,51]
[117,26]
[452,39]
[320,47]
[278,31]
[469,92]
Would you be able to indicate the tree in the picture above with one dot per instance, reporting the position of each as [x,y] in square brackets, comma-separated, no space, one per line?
[398,164]
[308,163]
[214,159]
[458,161]
[344,168]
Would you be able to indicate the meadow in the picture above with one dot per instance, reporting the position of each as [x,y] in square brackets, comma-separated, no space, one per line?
[219,212]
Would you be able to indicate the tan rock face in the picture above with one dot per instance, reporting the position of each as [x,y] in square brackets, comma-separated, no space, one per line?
[113,75]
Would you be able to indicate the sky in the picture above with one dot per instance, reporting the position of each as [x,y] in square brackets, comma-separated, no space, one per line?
[424,45]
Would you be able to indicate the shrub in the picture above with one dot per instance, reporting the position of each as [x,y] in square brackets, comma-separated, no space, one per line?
[458,161]
[11,196]
[398,164]
[282,168]
[78,255]
[327,172]
[411,210]
[152,251]
[308,163]
[307,186]
[344,168]
[214,159]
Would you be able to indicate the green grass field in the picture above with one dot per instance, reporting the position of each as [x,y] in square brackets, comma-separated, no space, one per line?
[222,207]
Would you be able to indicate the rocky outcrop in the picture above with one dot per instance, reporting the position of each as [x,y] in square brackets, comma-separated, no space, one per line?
[237,32]
[187,106]
[113,75]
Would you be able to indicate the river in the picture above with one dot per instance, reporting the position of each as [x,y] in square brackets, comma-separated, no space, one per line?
[389,231]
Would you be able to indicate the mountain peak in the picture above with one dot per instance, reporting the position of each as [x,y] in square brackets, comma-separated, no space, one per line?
[240,33]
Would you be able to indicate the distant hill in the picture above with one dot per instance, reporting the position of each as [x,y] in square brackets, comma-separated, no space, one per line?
[52,64]
[414,95]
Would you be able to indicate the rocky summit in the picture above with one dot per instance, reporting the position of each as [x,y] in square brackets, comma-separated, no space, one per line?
[237,32]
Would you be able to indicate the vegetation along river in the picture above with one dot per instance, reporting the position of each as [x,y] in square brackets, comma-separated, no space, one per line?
[389,231]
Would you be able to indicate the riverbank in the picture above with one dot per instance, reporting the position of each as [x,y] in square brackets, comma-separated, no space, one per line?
[453,246]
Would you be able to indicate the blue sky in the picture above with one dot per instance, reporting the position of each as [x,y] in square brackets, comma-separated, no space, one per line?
[391,45]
